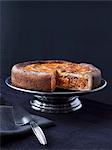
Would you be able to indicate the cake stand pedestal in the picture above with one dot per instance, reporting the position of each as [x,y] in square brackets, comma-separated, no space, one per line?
[59,101]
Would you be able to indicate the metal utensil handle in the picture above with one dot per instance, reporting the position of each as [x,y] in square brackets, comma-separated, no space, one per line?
[38,132]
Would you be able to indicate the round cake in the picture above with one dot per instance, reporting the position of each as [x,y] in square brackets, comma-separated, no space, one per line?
[47,75]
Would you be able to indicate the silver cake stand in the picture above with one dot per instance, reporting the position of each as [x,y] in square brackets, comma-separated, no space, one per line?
[59,101]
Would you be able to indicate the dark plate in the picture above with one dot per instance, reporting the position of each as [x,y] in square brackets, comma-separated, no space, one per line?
[59,92]
[42,122]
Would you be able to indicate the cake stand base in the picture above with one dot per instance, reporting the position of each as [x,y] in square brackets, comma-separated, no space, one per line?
[59,101]
[55,104]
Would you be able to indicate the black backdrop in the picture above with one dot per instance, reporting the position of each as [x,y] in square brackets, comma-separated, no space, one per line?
[76,31]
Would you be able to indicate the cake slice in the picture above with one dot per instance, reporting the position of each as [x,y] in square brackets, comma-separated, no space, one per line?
[81,77]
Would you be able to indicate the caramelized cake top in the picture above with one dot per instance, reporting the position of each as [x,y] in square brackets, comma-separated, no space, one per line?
[62,67]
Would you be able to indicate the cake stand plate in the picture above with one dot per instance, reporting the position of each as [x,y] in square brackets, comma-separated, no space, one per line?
[59,101]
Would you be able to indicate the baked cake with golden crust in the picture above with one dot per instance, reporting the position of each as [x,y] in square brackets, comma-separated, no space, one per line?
[47,75]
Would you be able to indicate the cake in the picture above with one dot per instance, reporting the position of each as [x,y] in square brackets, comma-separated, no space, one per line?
[47,75]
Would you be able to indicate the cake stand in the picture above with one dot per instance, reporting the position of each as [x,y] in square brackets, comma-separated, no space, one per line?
[59,101]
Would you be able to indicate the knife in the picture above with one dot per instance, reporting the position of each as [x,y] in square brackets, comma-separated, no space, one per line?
[22,117]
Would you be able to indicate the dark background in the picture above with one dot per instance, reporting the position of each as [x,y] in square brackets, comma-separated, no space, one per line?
[76,31]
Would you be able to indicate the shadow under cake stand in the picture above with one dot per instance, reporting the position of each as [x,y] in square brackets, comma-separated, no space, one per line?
[59,101]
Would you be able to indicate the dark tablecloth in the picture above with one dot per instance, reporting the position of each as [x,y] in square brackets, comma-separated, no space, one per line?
[88,128]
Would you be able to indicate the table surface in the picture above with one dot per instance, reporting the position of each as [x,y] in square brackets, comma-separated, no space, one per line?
[88,128]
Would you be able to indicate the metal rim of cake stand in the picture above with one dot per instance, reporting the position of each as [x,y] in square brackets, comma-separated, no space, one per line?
[56,102]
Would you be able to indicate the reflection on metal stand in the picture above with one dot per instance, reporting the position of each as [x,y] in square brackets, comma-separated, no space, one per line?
[55,104]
